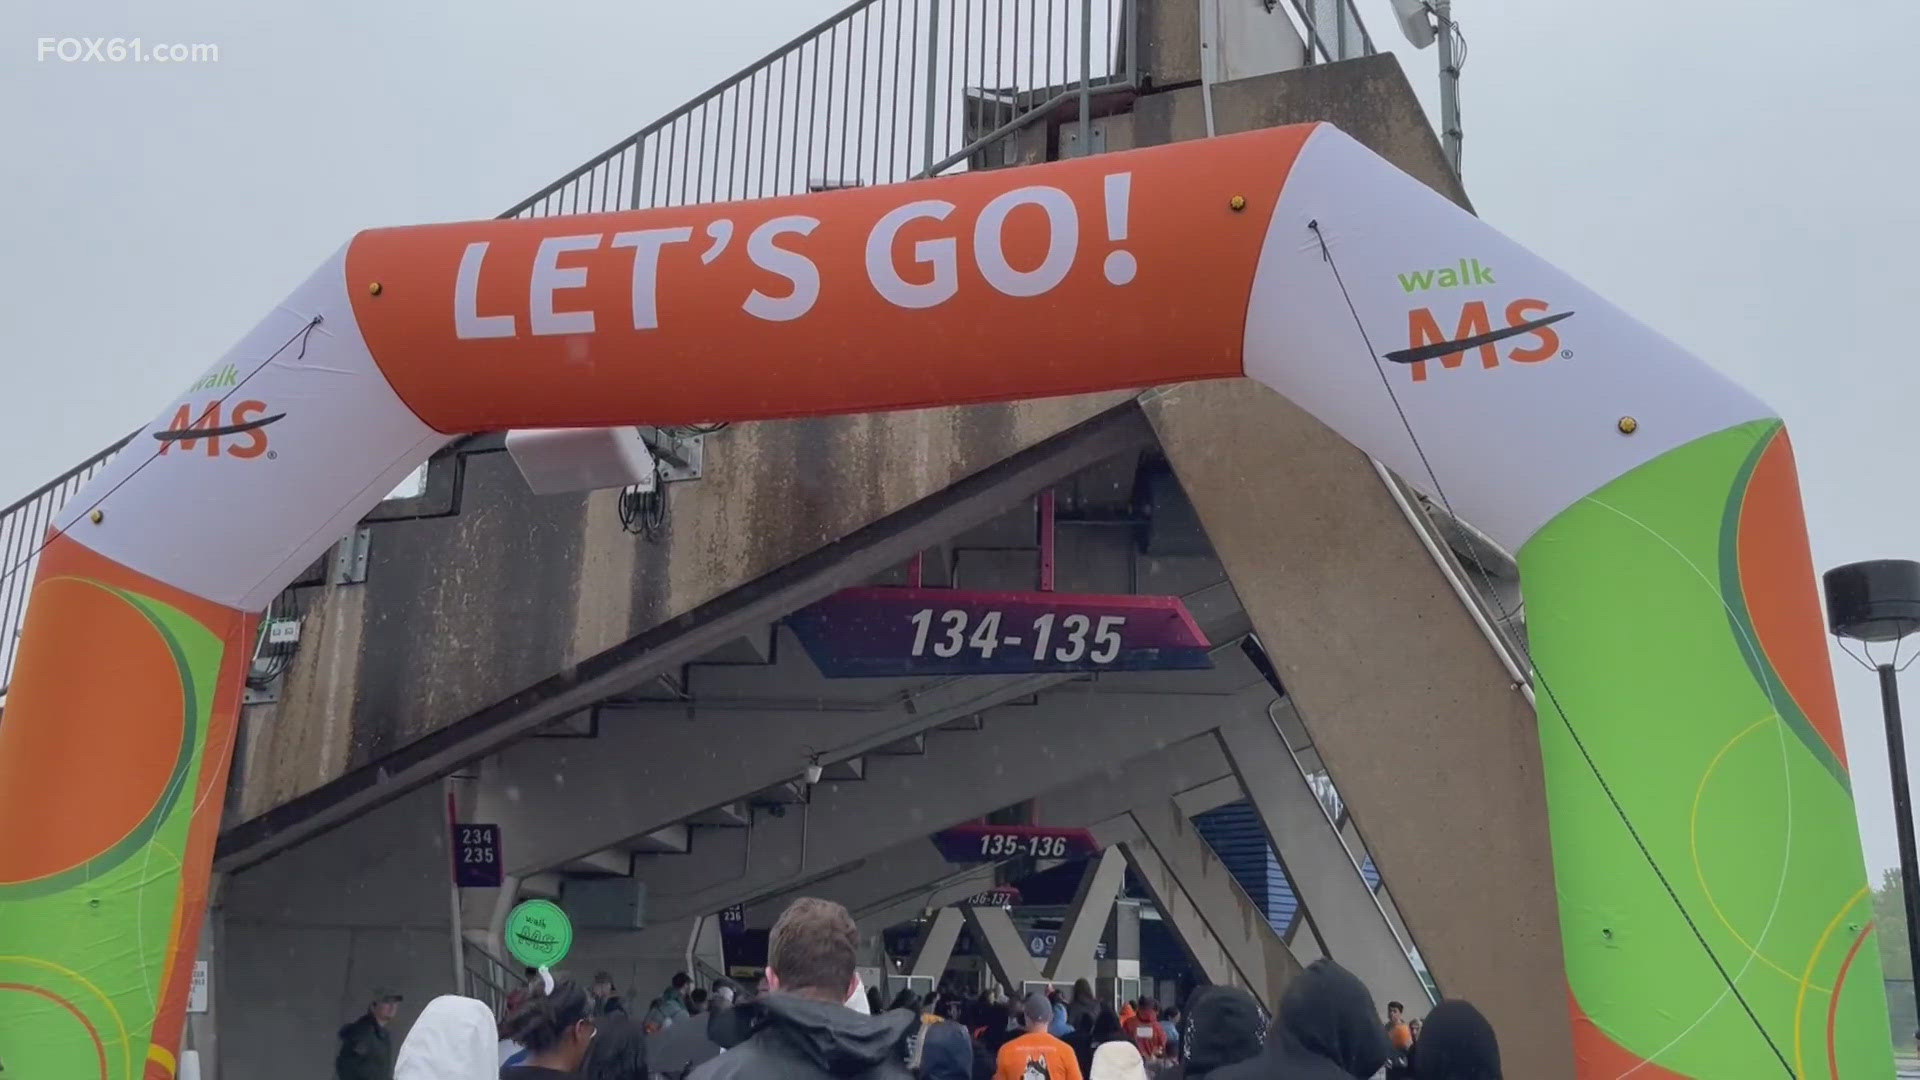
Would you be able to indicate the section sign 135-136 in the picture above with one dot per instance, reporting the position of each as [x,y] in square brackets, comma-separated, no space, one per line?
[994,843]
[909,631]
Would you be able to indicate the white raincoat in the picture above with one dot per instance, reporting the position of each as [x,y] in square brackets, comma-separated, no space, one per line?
[454,1039]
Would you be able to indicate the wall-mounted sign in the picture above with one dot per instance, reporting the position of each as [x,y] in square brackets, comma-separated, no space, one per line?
[539,933]
[899,631]
[1040,945]
[992,843]
[733,919]
[197,989]
[998,896]
[476,856]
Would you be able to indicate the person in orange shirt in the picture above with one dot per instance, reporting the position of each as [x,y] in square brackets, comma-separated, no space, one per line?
[1037,1055]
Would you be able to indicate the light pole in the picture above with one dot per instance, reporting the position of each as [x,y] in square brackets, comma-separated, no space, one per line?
[1874,603]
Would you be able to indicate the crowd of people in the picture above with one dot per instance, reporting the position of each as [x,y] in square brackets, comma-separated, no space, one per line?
[811,1019]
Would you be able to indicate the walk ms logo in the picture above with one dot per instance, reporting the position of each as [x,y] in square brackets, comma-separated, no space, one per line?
[235,428]
[1473,330]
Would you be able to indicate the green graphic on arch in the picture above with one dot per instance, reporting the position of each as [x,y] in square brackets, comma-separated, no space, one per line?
[1713,899]
[84,957]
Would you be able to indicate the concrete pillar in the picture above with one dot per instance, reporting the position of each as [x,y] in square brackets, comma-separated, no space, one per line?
[1227,935]
[1002,947]
[1434,752]
[1324,875]
[1074,953]
[935,949]
[1216,964]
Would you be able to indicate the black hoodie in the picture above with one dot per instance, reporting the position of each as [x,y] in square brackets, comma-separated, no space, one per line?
[1456,1043]
[1224,1025]
[798,1038]
[1325,1030]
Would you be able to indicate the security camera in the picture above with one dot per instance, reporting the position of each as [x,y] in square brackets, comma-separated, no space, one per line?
[1416,21]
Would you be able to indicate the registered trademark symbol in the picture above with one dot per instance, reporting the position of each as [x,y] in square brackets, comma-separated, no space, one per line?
[1565,354]
[273,455]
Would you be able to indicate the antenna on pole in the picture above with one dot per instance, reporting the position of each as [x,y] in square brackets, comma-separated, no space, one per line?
[1425,22]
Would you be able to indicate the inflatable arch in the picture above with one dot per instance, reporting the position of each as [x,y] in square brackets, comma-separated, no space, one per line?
[1712,895]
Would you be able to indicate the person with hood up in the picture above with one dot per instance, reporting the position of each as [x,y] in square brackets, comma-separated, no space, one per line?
[802,1028]
[1117,1061]
[1325,1029]
[1456,1043]
[1224,1026]
[454,1039]
[1145,1031]
[946,1052]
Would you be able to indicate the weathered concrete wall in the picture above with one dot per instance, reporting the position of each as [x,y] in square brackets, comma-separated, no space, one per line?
[307,938]
[459,613]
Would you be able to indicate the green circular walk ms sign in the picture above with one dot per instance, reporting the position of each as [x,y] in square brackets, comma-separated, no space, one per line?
[539,933]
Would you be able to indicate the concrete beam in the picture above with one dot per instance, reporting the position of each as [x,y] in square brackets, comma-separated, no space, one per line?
[669,840]
[1325,876]
[908,798]
[1002,947]
[1213,900]
[1211,796]
[606,861]
[935,949]
[1075,951]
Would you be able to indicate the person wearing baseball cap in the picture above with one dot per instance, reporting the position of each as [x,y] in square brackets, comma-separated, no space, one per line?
[1037,1055]
[366,1048]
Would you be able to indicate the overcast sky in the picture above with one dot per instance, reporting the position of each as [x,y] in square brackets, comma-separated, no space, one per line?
[1741,181]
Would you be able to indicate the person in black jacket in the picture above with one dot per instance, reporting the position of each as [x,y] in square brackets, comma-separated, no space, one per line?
[802,1029]
[1325,1029]
[366,1049]
[1224,1025]
[1456,1043]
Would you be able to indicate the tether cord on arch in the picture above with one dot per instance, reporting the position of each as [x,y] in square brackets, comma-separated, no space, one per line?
[1540,678]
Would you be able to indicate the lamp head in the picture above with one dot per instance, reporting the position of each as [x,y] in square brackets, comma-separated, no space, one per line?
[1874,601]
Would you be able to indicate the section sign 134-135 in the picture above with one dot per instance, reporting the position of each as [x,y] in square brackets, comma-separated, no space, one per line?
[909,631]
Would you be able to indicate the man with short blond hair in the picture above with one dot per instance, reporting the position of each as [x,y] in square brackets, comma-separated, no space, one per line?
[802,1029]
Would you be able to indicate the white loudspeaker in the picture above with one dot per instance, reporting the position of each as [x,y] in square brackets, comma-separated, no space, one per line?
[1416,21]
[558,460]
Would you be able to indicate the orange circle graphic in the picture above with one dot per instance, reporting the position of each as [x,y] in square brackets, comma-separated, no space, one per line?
[93,730]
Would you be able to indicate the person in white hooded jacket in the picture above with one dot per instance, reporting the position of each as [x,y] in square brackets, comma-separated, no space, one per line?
[1117,1061]
[454,1039]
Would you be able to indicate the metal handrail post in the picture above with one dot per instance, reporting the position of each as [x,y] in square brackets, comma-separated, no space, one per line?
[1086,77]
[933,72]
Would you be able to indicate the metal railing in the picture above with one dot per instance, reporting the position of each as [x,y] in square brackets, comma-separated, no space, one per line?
[886,90]
[23,532]
[488,978]
[1333,29]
